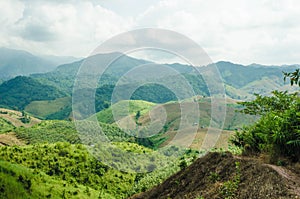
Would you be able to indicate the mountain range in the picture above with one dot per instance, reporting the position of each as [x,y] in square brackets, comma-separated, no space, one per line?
[44,155]
[19,62]
[240,82]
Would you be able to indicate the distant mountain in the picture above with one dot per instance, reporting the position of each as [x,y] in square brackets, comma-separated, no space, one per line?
[64,75]
[17,93]
[240,82]
[238,76]
[19,62]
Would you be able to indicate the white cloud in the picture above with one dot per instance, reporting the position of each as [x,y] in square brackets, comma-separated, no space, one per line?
[235,30]
[62,28]
[261,31]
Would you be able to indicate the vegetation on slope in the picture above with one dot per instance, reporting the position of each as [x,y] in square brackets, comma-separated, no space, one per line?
[17,93]
[17,119]
[135,106]
[277,132]
[52,131]
[74,172]
[48,108]
[72,164]
[5,126]
[18,181]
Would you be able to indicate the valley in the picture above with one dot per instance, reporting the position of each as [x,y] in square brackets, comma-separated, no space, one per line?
[145,147]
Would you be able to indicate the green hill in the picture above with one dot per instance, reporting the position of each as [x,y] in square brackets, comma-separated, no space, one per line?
[52,131]
[140,111]
[18,181]
[234,119]
[238,79]
[63,76]
[69,166]
[17,93]
[239,75]
[106,116]
[65,131]
[63,170]
[59,108]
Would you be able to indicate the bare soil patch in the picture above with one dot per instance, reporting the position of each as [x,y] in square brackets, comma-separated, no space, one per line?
[10,139]
[206,178]
[15,116]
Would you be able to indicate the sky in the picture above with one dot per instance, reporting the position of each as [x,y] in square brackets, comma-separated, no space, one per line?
[240,31]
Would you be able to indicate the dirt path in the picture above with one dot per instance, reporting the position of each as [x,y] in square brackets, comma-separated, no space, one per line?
[292,179]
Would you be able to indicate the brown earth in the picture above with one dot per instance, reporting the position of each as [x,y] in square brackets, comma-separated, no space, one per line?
[206,178]
[14,117]
[10,139]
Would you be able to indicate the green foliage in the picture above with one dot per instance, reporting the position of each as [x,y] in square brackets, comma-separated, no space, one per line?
[278,130]
[294,77]
[17,181]
[25,118]
[145,181]
[183,164]
[17,93]
[70,163]
[52,131]
[5,126]
[278,102]
[214,177]
[155,93]
[67,170]
[229,188]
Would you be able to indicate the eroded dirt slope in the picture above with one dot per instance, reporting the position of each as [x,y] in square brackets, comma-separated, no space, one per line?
[207,177]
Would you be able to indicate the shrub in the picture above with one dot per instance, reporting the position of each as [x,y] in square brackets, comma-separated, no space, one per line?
[277,132]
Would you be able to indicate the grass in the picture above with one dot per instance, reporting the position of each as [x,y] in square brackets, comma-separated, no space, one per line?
[43,109]
[233,120]
[106,116]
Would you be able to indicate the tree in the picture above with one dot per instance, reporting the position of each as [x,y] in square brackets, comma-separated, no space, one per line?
[277,132]
[294,77]
[138,115]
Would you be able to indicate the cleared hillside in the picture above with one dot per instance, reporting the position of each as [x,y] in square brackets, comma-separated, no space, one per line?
[221,175]
[11,119]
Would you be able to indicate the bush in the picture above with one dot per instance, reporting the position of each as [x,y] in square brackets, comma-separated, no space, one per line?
[277,132]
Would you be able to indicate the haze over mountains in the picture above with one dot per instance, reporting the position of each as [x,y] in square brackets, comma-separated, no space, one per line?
[18,62]
[51,152]
[240,81]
